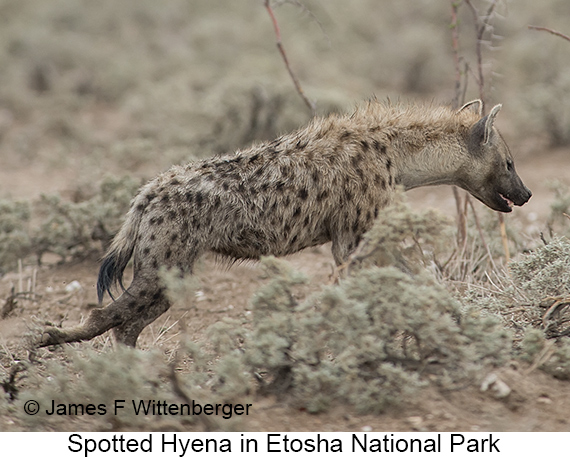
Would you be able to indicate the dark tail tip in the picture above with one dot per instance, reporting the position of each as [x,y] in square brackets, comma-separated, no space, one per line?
[106,278]
[110,273]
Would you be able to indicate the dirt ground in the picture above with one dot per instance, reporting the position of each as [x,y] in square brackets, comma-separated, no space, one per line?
[537,402]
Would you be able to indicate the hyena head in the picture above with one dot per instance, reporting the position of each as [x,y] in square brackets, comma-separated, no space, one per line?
[489,172]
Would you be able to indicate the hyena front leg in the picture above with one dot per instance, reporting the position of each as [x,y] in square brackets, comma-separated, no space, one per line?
[343,245]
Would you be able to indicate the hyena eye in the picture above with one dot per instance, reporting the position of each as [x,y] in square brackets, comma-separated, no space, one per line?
[510,165]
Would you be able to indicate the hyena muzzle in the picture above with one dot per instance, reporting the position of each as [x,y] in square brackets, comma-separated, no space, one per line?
[325,182]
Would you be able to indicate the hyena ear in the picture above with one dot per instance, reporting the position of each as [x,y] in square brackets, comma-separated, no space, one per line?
[473,105]
[481,131]
[489,122]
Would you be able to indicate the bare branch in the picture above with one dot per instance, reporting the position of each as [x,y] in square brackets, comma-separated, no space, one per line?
[553,32]
[456,58]
[279,43]
[504,238]
[306,10]
[482,24]
[485,245]
[461,219]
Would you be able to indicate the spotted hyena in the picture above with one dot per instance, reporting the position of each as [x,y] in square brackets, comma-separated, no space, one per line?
[325,182]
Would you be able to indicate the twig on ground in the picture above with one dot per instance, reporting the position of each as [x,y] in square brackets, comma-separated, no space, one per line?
[279,43]
[556,308]
[546,29]
[178,390]
[542,357]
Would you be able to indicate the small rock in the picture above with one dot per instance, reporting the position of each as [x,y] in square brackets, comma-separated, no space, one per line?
[489,379]
[415,421]
[200,296]
[545,400]
[366,428]
[498,387]
[73,286]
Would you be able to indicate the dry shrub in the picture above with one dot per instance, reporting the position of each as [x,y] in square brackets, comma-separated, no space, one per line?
[534,301]
[544,272]
[15,241]
[553,358]
[544,278]
[371,341]
[98,378]
[559,220]
[67,228]
[408,239]
[553,117]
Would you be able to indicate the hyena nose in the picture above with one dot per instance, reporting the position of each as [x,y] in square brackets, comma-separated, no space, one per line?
[525,195]
[528,194]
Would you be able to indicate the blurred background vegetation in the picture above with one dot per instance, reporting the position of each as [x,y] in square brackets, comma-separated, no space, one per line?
[133,86]
[90,90]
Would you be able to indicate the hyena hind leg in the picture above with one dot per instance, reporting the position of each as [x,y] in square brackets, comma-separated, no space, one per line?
[145,313]
[97,323]
[130,313]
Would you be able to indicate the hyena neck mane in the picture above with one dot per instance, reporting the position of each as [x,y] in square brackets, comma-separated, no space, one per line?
[429,144]
[426,144]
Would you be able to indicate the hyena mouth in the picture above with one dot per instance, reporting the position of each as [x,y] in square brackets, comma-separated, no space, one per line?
[507,200]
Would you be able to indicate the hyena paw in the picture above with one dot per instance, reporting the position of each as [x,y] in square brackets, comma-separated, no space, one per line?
[51,336]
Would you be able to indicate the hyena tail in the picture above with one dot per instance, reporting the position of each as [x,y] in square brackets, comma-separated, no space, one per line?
[121,251]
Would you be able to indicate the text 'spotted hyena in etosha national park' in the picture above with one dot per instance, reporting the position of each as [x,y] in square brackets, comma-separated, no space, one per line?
[324,182]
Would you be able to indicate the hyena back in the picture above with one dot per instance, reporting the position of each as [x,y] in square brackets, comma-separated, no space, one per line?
[325,182]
